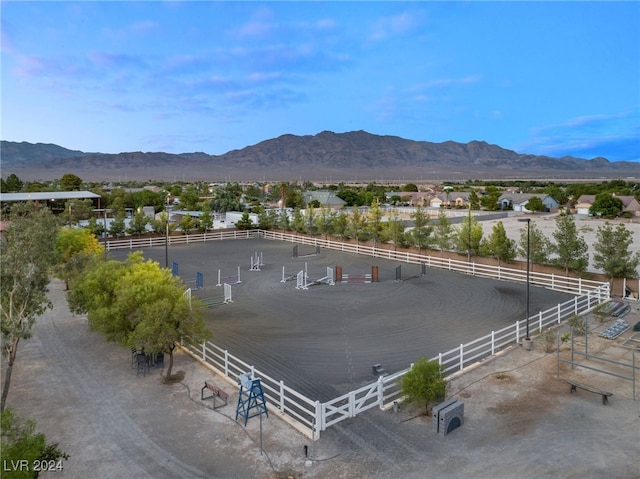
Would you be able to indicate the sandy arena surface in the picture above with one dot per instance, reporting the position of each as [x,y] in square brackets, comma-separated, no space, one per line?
[519,420]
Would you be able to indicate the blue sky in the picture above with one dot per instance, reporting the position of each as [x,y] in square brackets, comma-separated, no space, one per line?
[541,77]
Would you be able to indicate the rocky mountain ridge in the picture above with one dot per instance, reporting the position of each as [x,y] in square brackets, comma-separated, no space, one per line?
[327,154]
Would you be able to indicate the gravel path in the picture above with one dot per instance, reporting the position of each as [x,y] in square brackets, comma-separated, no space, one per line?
[520,420]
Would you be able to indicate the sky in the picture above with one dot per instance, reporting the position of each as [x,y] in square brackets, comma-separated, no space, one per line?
[543,78]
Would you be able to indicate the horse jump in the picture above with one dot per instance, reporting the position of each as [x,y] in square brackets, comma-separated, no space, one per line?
[296,255]
[229,279]
[256,262]
[423,272]
[302,277]
[357,278]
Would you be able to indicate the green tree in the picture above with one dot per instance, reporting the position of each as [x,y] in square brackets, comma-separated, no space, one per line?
[138,223]
[474,200]
[606,205]
[424,382]
[410,187]
[189,199]
[95,227]
[206,220]
[358,225]
[535,204]
[137,304]
[374,222]
[227,198]
[420,234]
[117,226]
[297,221]
[341,225]
[283,220]
[394,230]
[74,248]
[26,254]
[187,223]
[469,236]
[70,182]
[19,441]
[324,222]
[612,253]
[498,245]
[570,248]
[539,245]
[12,184]
[245,223]
[442,233]
[490,200]
[557,193]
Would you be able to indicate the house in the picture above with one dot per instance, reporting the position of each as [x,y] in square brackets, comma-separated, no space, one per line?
[518,201]
[327,199]
[630,205]
[411,198]
[451,199]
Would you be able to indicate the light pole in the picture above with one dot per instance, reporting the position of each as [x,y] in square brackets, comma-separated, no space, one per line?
[104,226]
[528,221]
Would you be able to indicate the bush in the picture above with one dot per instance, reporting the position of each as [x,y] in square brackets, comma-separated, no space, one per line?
[579,325]
[424,382]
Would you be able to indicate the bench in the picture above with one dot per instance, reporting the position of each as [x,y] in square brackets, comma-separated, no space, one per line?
[216,392]
[576,385]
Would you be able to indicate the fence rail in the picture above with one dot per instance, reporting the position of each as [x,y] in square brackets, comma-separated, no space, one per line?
[312,417]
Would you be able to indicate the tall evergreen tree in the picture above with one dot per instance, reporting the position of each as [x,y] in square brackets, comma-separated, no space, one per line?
[570,248]
[498,245]
[612,253]
[442,233]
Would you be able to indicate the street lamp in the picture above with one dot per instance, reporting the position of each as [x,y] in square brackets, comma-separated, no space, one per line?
[528,221]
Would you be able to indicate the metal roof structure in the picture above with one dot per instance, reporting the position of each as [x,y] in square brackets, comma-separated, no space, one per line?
[47,196]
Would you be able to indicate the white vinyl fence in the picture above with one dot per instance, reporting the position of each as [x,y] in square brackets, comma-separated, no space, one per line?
[311,417]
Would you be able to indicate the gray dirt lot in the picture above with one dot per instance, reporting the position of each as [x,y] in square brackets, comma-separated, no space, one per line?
[520,420]
[323,341]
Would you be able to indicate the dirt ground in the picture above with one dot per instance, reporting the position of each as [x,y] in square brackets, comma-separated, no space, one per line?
[520,420]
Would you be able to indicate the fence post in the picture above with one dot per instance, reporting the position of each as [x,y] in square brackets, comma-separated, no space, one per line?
[559,314]
[226,363]
[461,357]
[380,392]
[493,343]
[318,419]
[575,307]
[517,331]
[352,404]
[540,315]
[204,351]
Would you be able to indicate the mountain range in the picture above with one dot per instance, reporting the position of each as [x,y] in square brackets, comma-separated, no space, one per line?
[327,156]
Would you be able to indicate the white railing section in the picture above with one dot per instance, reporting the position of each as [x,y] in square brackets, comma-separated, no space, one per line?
[171,240]
[296,408]
[312,417]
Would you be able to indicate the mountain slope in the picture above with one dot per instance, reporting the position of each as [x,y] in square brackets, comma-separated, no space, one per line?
[339,155]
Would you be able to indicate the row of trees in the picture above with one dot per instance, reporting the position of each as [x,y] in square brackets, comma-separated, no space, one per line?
[26,258]
[567,250]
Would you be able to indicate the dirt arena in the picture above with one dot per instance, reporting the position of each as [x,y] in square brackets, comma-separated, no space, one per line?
[324,340]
